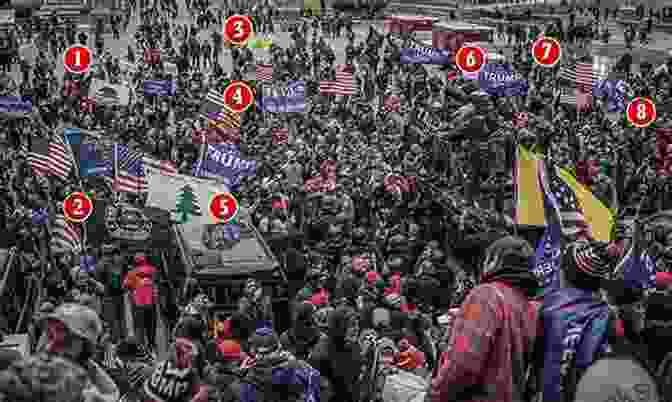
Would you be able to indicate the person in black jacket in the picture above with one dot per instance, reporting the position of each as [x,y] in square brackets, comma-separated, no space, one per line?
[338,357]
[304,334]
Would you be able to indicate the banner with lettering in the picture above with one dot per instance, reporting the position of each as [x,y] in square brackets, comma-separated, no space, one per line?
[502,80]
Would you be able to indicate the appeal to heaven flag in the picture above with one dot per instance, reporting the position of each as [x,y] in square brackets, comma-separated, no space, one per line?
[529,198]
[188,200]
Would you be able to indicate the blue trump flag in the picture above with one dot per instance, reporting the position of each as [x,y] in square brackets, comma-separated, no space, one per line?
[96,160]
[14,104]
[293,102]
[159,87]
[549,250]
[425,55]
[502,80]
[224,160]
[613,91]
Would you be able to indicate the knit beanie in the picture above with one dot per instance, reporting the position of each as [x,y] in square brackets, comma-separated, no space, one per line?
[264,340]
[587,264]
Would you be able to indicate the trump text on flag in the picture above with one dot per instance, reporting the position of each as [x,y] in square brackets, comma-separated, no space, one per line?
[425,55]
[502,80]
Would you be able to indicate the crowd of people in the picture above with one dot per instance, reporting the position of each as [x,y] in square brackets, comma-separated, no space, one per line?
[408,275]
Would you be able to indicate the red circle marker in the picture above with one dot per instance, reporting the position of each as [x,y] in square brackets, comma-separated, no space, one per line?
[223,207]
[238,96]
[546,52]
[77,207]
[641,112]
[77,59]
[238,29]
[470,59]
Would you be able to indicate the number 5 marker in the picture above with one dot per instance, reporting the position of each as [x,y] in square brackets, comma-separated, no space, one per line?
[546,52]
[470,59]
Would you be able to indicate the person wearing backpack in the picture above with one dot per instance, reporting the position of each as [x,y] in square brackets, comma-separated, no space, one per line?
[492,337]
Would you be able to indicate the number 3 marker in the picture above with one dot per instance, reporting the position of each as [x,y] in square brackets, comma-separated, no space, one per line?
[470,59]
[546,52]
[238,29]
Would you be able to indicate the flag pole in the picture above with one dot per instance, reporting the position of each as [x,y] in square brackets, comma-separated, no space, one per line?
[79,178]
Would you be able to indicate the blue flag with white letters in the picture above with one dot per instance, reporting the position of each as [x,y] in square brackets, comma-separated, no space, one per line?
[502,80]
[225,161]
[425,55]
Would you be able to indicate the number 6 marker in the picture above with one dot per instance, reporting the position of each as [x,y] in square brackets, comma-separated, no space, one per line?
[470,59]
[641,112]
[546,52]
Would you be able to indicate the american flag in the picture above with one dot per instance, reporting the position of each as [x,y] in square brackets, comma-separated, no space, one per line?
[280,136]
[576,97]
[65,236]
[392,104]
[60,157]
[586,74]
[130,171]
[264,72]
[165,168]
[38,157]
[565,203]
[344,84]
[214,109]
[520,119]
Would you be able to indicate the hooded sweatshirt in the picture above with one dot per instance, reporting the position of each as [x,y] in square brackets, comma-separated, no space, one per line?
[338,361]
[494,332]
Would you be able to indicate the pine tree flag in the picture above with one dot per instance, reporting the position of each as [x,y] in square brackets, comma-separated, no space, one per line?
[188,205]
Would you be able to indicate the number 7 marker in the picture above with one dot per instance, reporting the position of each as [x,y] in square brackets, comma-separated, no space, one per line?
[546,51]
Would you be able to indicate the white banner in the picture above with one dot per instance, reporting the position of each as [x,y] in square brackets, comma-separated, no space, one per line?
[193,196]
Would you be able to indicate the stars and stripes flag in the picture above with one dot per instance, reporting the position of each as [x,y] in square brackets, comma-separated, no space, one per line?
[344,84]
[65,236]
[130,170]
[164,167]
[392,104]
[576,97]
[564,203]
[38,157]
[215,110]
[280,136]
[264,72]
[53,157]
[586,74]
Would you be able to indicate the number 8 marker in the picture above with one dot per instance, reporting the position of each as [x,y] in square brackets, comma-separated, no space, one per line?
[546,52]
[470,59]
[641,112]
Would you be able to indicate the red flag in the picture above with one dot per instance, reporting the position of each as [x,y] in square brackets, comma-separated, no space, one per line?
[520,119]
[280,136]
[87,105]
[152,56]
[392,104]
[664,151]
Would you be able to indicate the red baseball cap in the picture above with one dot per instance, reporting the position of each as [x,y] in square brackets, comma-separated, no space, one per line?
[663,279]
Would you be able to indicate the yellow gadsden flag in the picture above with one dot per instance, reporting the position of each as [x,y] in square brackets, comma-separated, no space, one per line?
[529,198]
[597,215]
[313,6]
